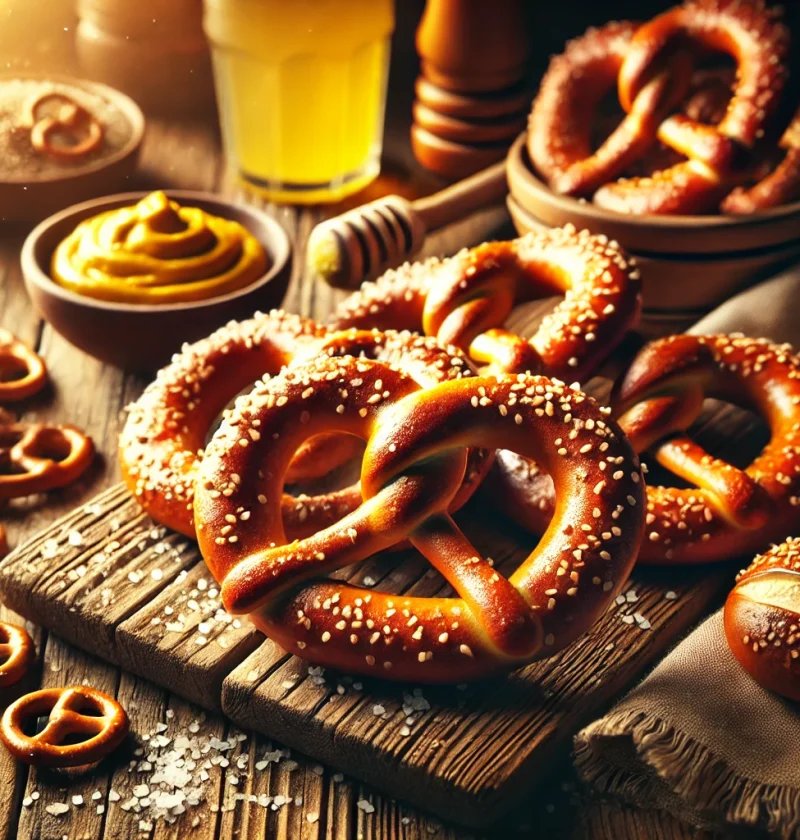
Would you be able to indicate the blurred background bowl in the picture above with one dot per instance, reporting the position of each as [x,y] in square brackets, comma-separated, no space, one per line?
[27,199]
[689,264]
[143,337]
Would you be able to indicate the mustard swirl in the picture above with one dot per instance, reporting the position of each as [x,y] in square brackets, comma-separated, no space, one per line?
[157,252]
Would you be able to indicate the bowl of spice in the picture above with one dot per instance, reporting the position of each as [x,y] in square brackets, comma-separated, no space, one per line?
[129,278]
[62,140]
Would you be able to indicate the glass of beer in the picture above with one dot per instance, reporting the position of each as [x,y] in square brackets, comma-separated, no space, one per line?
[301,87]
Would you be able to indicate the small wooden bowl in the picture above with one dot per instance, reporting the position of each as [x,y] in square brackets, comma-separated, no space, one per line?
[26,200]
[139,337]
[689,264]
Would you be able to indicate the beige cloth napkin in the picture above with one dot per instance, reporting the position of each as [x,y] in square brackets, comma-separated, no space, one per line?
[698,737]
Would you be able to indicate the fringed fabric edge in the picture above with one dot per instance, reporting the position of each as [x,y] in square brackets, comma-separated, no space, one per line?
[661,767]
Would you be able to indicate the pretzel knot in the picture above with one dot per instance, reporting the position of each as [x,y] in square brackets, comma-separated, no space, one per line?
[465,299]
[83,726]
[413,467]
[22,372]
[727,512]
[69,119]
[16,653]
[162,443]
[716,155]
[36,458]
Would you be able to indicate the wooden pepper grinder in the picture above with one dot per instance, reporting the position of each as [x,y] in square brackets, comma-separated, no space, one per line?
[470,97]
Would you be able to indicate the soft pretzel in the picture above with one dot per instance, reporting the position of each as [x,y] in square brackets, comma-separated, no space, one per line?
[465,299]
[762,619]
[413,466]
[22,372]
[83,726]
[164,437]
[729,512]
[36,458]
[717,156]
[780,186]
[564,110]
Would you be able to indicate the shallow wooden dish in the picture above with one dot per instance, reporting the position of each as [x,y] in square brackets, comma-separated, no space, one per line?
[139,337]
[26,200]
[689,264]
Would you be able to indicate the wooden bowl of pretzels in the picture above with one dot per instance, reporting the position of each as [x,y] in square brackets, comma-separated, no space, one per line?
[695,170]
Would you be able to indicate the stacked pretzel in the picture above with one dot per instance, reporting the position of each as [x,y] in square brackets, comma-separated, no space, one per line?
[470,404]
[690,137]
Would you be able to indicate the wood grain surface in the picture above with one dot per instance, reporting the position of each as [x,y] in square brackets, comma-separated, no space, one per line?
[315,801]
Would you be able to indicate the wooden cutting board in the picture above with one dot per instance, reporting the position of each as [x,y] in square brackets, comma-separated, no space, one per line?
[111,581]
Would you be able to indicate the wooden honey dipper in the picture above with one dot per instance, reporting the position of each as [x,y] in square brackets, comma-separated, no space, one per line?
[470,99]
[364,242]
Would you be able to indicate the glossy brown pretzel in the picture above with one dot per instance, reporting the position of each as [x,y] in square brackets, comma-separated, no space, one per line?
[16,653]
[36,458]
[780,186]
[163,441]
[465,299]
[717,156]
[560,126]
[413,467]
[97,719]
[22,372]
[762,619]
[728,512]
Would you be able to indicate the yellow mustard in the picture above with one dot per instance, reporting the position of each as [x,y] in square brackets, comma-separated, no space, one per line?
[157,252]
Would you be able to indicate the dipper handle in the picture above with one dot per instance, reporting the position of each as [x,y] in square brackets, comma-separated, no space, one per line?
[364,242]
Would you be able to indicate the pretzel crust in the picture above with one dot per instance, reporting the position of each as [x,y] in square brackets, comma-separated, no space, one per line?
[778,187]
[162,443]
[413,466]
[762,616]
[105,729]
[16,358]
[559,136]
[464,300]
[759,43]
[732,512]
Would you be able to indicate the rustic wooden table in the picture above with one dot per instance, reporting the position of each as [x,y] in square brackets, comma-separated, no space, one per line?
[234,786]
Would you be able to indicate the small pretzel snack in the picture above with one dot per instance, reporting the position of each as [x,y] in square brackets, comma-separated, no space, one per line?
[82,130]
[37,458]
[762,619]
[465,299]
[22,372]
[73,714]
[418,443]
[16,653]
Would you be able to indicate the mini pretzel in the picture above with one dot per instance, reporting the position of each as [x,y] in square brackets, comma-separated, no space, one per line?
[162,442]
[22,372]
[77,711]
[16,653]
[36,458]
[780,186]
[413,467]
[71,119]
[560,125]
[717,155]
[762,619]
[729,512]
[465,299]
